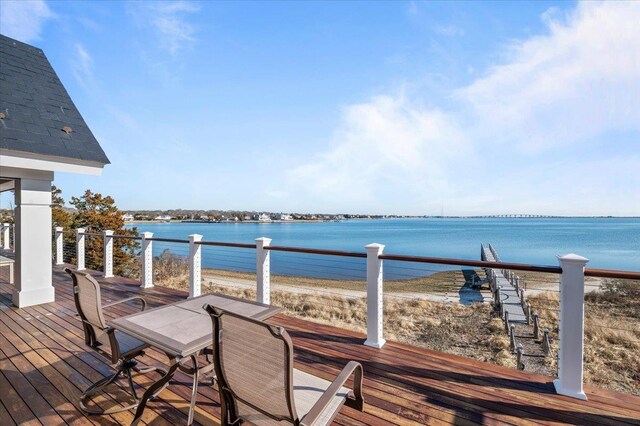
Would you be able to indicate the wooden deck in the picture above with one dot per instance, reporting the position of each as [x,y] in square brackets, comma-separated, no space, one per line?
[45,366]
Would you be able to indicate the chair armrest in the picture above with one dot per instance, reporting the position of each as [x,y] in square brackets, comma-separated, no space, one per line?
[113,343]
[144,302]
[354,399]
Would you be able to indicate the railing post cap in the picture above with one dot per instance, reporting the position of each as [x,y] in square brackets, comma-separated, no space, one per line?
[59,229]
[147,234]
[374,246]
[107,232]
[573,258]
[195,237]
[79,230]
[263,239]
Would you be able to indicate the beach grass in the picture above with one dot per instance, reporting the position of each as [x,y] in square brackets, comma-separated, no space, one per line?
[440,282]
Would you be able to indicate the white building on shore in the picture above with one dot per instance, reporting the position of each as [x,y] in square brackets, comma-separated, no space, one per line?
[264,218]
[283,216]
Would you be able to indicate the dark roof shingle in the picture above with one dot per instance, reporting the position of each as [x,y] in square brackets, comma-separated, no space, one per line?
[36,108]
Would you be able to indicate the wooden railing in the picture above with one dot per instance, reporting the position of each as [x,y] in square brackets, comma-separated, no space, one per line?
[571,269]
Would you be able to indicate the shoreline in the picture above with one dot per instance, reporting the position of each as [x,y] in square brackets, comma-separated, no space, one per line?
[174,221]
[230,222]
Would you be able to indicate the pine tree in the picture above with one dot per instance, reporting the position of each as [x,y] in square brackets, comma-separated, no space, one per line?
[96,213]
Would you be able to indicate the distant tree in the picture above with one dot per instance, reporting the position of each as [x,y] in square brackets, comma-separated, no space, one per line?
[59,216]
[6,216]
[95,213]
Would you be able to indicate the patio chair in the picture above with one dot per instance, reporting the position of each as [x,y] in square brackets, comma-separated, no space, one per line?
[257,381]
[122,348]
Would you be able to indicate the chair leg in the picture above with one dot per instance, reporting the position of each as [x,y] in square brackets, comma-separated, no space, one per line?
[124,367]
[154,390]
[97,387]
[133,389]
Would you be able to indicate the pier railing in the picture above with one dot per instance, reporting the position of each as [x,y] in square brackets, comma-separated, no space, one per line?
[571,271]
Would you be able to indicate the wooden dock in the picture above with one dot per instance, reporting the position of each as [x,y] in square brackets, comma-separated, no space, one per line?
[509,297]
[45,365]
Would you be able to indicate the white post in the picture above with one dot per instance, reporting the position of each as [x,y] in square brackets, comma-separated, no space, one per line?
[263,270]
[59,245]
[571,350]
[107,235]
[6,228]
[375,282]
[195,265]
[80,248]
[33,237]
[146,256]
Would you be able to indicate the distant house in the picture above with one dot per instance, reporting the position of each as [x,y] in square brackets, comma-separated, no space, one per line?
[127,217]
[41,133]
[264,218]
[163,218]
[246,217]
[283,216]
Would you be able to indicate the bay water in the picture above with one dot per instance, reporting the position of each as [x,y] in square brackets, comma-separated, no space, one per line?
[612,243]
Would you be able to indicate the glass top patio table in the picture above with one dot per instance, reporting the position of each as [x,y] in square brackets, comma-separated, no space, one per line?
[183,328]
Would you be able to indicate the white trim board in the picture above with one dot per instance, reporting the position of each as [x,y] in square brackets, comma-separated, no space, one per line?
[25,160]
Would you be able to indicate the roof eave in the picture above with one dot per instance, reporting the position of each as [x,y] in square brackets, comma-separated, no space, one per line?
[32,161]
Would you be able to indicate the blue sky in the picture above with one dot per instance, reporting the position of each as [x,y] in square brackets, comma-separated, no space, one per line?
[382,107]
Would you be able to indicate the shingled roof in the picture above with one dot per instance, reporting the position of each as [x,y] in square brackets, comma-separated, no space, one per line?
[37,114]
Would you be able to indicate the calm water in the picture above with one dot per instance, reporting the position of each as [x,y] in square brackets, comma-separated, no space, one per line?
[608,243]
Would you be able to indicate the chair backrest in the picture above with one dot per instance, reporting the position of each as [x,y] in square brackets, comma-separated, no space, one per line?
[86,293]
[254,367]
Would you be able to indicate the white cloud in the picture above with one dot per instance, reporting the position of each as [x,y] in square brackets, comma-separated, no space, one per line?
[385,144]
[165,32]
[82,65]
[539,133]
[578,81]
[449,30]
[88,23]
[24,19]
[169,22]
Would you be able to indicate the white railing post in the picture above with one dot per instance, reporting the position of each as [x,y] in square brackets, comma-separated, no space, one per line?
[80,249]
[195,265]
[571,339]
[146,256]
[375,281]
[59,245]
[6,228]
[107,235]
[263,270]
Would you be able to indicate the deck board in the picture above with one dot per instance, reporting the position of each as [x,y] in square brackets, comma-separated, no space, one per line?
[45,366]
